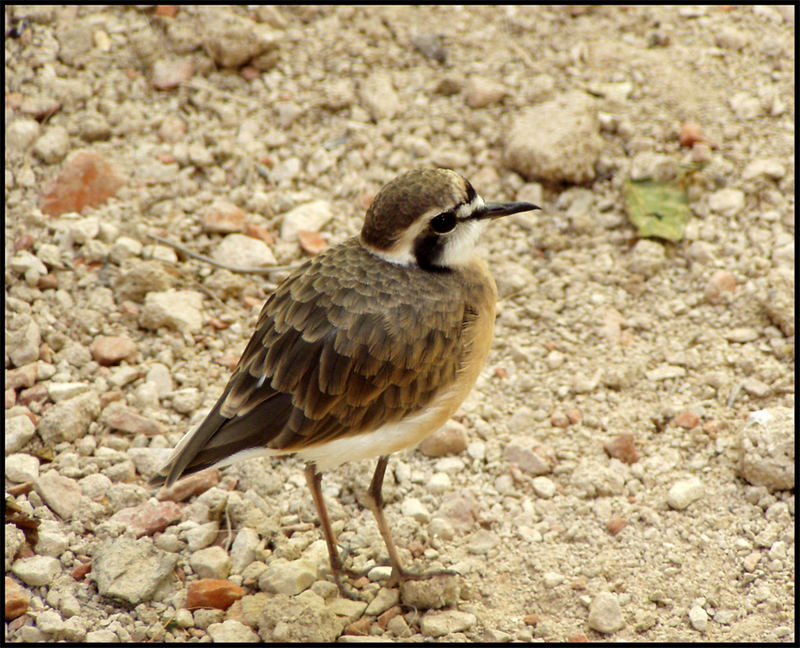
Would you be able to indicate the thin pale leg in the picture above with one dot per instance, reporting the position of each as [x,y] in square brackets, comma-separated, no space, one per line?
[399,574]
[314,480]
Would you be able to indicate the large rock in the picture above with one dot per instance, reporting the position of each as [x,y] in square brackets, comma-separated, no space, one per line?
[69,419]
[130,569]
[243,251]
[557,141]
[61,494]
[309,216]
[767,448]
[232,40]
[298,619]
[176,309]
[87,180]
[379,97]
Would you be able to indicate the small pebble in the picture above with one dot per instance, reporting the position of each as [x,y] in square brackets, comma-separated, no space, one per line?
[698,618]
[685,492]
[544,487]
[605,613]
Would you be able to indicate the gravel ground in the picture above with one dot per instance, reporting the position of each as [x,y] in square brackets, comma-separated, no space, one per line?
[624,468]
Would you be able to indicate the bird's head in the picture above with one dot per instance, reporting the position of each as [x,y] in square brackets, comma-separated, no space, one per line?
[431,218]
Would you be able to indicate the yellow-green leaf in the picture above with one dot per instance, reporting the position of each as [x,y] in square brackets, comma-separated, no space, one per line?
[657,209]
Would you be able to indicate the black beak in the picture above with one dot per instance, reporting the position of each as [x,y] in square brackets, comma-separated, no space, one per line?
[495,210]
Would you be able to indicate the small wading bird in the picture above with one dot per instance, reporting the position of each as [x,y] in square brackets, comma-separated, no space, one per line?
[365,349]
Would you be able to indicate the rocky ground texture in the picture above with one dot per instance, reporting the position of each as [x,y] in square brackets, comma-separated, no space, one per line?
[624,469]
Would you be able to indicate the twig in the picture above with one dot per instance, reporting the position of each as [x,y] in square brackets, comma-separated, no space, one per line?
[526,59]
[195,84]
[219,264]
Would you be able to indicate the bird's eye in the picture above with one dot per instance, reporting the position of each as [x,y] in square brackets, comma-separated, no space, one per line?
[444,222]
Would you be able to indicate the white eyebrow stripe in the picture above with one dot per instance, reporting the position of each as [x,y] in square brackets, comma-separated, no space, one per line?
[467,209]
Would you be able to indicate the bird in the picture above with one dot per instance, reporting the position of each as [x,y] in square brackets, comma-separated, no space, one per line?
[365,349]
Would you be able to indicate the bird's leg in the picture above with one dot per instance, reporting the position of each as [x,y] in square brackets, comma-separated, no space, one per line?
[376,506]
[314,480]
[399,574]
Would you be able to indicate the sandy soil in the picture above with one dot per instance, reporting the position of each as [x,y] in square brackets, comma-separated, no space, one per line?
[596,336]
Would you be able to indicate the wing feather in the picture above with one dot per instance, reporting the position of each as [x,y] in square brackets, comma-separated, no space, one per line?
[336,352]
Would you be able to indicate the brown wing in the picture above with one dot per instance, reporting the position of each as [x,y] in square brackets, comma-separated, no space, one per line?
[341,347]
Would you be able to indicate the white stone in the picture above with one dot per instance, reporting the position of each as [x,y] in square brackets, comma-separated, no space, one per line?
[14,538]
[177,309]
[452,465]
[21,134]
[243,549]
[413,508]
[37,570]
[123,248]
[767,167]
[231,631]
[439,482]
[101,636]
[25,261]
[212,562]
[685,492]
[202,535]
[544,487]
[437,624]
[22,467]
[745,106]
[605,613]
[441,527]
[476,450]
[286,170]
[184,618]
[726,202]
[83,229]
[385,599]
[50,255]
[149,461]
[566,150]
[552,579]
[646,258]
[69,606]
[698,618]
[51,543]
[160,376]
[665,372]
[53,145]
[378,96]
[64,391]
[380,573]
[288,577]
[49,622]
[243,251]
[311,216]
[145,396]
[767,447]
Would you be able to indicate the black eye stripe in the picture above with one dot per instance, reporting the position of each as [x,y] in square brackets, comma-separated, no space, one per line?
[471,193]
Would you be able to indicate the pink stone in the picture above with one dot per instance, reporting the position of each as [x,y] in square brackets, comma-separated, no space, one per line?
[24,376]
[148,517]
[111,350]
[223,217]
[125,420]
[448,440]
[212,593]
[87,180]
[190,485]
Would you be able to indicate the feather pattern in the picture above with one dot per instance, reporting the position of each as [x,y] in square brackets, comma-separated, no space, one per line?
[347,343]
